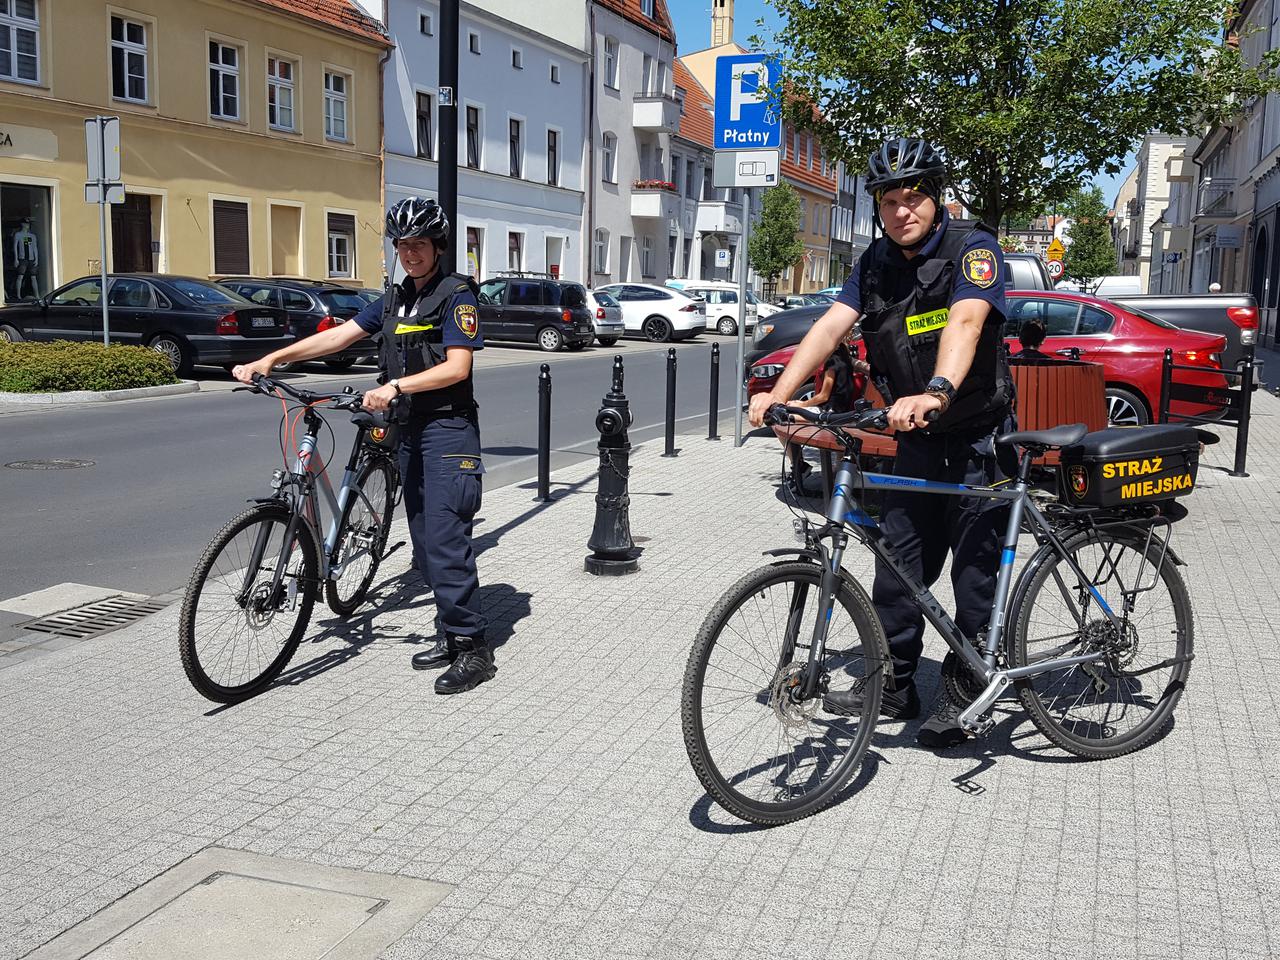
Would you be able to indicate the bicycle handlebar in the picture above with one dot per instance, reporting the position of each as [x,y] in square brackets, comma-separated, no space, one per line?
[781,413]
[340,401]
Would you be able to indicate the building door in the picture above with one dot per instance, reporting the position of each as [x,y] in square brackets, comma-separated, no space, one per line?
[131,234]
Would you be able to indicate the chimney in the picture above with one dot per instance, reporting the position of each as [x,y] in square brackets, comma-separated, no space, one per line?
[721,22]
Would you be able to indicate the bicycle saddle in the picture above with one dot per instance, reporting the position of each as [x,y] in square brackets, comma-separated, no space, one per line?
[1062,436]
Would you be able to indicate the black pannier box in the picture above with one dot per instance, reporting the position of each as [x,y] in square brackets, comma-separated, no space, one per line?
[1122,465]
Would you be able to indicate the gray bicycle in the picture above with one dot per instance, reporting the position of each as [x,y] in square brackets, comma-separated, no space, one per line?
[252,592]
[1095,634]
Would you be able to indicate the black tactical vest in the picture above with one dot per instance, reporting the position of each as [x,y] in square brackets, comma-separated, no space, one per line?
[902,337]
[413,343]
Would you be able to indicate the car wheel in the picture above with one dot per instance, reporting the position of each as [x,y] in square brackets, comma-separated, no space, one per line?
[9,334]
[606,341]
[175,350]
[656,329]
[804,394]
[727,327]
[580,345]
[285,367]
[1125,409]
[550,339]
[340,364]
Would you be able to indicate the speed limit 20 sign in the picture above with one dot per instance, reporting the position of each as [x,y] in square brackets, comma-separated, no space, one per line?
[1055,269]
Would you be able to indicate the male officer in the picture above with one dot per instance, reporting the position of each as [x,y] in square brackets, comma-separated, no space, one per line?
[429,331]
[930,296]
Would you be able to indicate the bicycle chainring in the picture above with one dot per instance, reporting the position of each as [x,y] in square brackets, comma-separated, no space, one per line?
[961,687]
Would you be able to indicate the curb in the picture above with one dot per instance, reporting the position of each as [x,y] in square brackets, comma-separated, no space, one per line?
[101,396]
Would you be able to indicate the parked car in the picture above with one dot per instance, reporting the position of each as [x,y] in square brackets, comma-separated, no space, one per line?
[1129,344]
[550,313]
[763,373]
[1025,271]
[189,320]
[660,314]
[783,329]
[312,306]
[723,311]
[788,301]
[607,313]
[1220,313]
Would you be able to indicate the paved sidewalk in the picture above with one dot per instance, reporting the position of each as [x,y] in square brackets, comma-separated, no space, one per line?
[558,801]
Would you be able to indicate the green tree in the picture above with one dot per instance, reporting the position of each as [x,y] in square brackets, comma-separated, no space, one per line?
[1029,99]
[775,243]
[1091,251]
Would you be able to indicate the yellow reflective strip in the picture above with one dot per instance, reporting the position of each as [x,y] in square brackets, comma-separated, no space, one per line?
[926,322]
[413,328]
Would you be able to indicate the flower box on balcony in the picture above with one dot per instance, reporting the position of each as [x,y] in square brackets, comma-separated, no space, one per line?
[654,185]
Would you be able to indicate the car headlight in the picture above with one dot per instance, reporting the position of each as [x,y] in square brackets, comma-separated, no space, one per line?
[763,330]
[764,371]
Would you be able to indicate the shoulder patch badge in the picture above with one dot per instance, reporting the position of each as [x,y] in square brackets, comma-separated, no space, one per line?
[464,315]
[979,267]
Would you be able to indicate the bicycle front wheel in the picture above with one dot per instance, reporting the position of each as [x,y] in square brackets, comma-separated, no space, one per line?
[762,753]
[362,537]
[1123,701]
[239,626]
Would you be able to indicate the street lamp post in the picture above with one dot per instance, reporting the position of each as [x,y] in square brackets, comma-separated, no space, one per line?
[448,161]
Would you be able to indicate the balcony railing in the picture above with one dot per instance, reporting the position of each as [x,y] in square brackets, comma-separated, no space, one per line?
[656,112]
[1216,197]
[657,200]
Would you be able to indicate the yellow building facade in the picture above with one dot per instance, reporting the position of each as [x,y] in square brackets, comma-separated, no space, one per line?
[250,139]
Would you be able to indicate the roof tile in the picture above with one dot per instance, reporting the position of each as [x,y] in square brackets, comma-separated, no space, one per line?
[342,14]
[696,121]
[659,23]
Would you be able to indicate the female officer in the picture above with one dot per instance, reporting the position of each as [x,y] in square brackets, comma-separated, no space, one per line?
[429,328]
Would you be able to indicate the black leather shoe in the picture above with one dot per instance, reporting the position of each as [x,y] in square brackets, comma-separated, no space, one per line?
[894,704]
[472,668]
[942,729]
[440,654]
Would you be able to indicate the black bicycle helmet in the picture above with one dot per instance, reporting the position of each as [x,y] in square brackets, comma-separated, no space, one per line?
[418,217]
[906,162]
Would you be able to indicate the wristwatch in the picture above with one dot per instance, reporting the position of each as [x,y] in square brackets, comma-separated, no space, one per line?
[941,388]
[396,383]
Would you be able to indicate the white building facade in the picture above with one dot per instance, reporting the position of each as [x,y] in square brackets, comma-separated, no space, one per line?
[522,121]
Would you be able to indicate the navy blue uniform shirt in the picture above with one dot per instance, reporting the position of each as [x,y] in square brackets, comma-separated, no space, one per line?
[979,273]
[460,320]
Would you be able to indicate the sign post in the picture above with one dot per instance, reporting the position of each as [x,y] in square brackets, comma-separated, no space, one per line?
[748,133]
[103,186]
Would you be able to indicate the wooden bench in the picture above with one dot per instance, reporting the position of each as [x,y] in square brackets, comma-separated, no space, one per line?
[1049,394]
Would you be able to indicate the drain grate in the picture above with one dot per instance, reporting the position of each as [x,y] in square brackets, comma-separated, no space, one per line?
[57,463]
[93,619]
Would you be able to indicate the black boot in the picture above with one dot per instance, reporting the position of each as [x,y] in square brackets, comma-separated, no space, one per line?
[440,654]
[472,668]
[942,729]
[901,704]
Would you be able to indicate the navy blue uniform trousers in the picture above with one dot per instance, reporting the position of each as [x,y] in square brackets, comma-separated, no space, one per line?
[441,470]
[923,527]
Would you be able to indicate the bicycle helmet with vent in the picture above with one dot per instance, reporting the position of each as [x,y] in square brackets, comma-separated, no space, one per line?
[906,162]
[418,217]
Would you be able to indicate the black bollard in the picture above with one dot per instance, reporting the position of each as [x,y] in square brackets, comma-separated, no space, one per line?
[1166,381]
[544,434]
[1246,402]
[670,451]
[613,552]
[713,415]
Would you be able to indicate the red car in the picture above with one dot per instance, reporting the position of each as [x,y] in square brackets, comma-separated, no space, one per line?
[1129,345]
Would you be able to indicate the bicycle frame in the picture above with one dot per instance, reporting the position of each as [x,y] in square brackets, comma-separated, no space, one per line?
[845,514]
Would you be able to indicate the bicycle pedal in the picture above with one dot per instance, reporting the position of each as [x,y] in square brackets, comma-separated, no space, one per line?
[979,727]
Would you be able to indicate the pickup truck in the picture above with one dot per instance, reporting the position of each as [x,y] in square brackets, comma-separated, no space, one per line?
[1209,312]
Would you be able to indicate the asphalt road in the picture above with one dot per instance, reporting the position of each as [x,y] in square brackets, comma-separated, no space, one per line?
[168,472]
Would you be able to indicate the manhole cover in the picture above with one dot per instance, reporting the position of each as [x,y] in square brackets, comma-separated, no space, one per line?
[93,619]
[57,463]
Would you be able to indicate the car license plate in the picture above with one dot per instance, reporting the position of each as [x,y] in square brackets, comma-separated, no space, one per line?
[260,322]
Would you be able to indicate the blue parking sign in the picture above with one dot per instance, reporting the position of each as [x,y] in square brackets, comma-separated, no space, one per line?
[745,117]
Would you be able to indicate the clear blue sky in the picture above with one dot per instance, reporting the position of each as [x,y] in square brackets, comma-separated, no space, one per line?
[693,32]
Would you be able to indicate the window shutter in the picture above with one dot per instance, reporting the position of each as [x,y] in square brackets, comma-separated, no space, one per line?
[230,237]
[342,223]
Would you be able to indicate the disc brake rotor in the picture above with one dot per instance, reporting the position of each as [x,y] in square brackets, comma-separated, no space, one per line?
[792,714]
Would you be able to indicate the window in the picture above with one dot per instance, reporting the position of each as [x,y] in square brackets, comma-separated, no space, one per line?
[646,74]
[804,216]
[426,26]
[298,301]
[492,292]
[660,78]
[646,257]
[515,251]
[475,252]
[555,72]
[335,107]
[611,62]
[1094,321]
[646,7]
[553,158]
[129,292]
[473,138]
[1058,316]
[224,83]
[809,147]
[128,60]
[230,237]
[342,245]
[524,293]
[708,186]
[600,251]
[426,136]
[19,40]
[690,180]
[473,42]
[280,93]
[90,290]
[515,144]
[607,156]
[517,58]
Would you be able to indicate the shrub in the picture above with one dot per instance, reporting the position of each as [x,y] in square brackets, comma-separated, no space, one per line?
[61,366]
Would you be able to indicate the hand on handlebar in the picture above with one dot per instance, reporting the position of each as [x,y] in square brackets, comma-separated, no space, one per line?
[910,413]
[379,399]
[245,372]
[759,407]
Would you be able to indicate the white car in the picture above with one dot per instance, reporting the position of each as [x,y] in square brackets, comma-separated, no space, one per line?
[658,313]
[606,314]
[723,313]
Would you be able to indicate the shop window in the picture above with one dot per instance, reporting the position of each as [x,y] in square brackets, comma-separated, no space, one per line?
[24,230]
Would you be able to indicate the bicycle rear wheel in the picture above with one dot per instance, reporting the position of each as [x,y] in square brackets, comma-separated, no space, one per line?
[1121,703]
[237,631]
[761,755]
[362,536]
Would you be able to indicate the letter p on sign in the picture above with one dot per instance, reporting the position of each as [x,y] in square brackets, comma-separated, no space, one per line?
[750,84]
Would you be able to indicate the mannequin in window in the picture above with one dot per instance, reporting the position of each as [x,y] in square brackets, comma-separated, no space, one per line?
[26,255]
